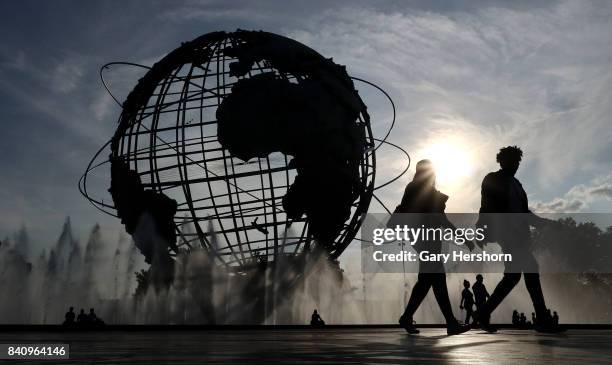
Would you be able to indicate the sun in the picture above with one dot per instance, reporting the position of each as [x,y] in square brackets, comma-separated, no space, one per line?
[452,159]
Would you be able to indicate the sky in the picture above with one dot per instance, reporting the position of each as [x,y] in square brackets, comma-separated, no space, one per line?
[467,77]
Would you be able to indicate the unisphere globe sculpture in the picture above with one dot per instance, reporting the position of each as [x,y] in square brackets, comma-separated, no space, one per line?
[247,144]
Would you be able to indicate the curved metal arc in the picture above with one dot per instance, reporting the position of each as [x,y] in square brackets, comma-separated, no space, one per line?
[122,63]
[82,185]
[401,173]
[390,101]
[97,204]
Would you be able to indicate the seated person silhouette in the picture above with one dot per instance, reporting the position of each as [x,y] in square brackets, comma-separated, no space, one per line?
[69,317]
[480,293]
[515,318]
[93,318]
[82,318]
[522,320]
[503,193]
[316,320]
[421,196]
[92,315]
[467,301]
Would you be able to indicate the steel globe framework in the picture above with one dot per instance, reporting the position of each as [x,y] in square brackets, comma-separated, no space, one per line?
[168,135]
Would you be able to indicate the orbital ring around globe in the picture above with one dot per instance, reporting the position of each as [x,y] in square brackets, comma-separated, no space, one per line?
[93,165]
[232,195]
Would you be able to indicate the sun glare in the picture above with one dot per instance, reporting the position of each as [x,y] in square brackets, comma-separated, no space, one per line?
[452,161]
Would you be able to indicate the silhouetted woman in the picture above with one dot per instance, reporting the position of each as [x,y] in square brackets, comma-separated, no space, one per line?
[467,301]
[421,196]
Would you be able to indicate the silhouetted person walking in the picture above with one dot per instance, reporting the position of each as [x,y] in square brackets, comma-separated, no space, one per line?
[480,293]
[467,301]
[69,317]
[555,318]
[421,196]
[316,320]
[503,193]
[515,318]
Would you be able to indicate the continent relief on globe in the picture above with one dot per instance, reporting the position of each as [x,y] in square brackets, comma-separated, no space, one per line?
[147,215]
[306,120]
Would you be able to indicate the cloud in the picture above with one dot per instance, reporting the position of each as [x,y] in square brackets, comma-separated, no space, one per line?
[15,62]
[493,76]
[578,198]
[486,74]
[604,191]
[66,76]
[61,97]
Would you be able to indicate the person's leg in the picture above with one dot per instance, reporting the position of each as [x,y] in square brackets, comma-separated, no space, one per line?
[532,282]
[503,288]
[453,327]
[479,310]
[544,320]
[419,292]
[441,292]
[468,315]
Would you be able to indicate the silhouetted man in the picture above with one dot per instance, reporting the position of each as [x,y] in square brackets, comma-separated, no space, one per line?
[515,318]
[480,292]
[82,318]
[69,317]
[316,320]
[503,193]
[421,196]
[93,318]
[555,318]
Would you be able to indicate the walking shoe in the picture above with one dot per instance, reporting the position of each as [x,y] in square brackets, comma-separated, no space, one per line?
[408,325]
[456,328]
[547,325]
[483,321]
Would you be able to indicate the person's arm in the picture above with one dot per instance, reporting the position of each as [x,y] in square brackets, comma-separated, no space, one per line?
[462,300]
[440,206]
[539,222]
[445,223]
[533,219]
[407,198]
[397,216]
[488,194]
[487,199]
